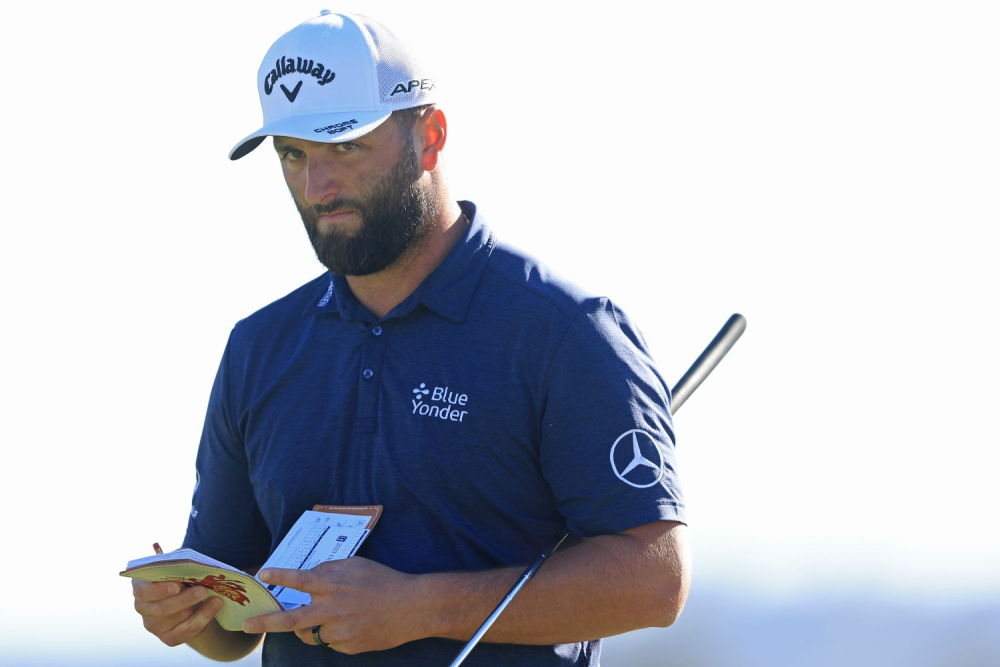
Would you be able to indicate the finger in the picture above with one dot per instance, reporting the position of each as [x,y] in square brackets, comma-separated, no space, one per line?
[193,626]
[151,591]
[300,580]
[306,635]
[160,624]
[171,605]
[283,621]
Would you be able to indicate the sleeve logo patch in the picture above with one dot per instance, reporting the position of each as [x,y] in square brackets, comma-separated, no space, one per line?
[637,459]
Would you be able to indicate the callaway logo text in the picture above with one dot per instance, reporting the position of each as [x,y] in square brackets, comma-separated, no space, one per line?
[283,66]
[408,86]
[439,402]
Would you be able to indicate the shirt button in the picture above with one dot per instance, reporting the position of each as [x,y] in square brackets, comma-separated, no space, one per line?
[368,374]
[376,330]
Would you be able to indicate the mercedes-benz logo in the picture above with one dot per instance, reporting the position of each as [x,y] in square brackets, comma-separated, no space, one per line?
[638,460]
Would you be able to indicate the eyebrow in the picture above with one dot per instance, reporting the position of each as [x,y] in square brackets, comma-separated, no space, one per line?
[280,146]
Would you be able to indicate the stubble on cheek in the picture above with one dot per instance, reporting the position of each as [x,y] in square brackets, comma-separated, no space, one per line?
[392,219]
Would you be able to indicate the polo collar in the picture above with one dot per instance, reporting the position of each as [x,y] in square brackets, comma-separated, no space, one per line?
[448,290]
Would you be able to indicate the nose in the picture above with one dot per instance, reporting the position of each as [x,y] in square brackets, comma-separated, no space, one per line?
[322,179]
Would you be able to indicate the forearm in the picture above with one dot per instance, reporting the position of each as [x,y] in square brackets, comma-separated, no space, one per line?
[223,645]
[603,586]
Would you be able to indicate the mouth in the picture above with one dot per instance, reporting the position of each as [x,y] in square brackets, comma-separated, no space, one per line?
[334,217]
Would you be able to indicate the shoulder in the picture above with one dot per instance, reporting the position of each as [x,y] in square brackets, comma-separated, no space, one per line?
[285,313]
[526,282]
[537,304]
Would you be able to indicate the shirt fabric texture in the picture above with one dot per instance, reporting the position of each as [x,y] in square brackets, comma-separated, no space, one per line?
[491,408]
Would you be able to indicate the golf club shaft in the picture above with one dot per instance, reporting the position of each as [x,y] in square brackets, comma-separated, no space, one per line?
[702,366]
[709,359]
[525,576]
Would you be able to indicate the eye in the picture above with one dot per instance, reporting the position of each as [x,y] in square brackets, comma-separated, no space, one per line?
[291,154]
[345,147]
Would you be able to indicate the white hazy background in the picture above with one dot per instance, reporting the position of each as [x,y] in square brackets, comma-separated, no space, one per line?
[829,170]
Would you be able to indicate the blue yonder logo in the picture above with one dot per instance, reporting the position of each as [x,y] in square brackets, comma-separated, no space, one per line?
[439,403]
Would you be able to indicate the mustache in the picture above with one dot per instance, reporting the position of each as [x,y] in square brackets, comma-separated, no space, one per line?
[313,212]
[334,206]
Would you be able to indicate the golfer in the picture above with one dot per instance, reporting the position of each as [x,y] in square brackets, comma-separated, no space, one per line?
[486,403]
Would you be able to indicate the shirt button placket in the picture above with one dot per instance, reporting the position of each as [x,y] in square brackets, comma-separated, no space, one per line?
[369,384]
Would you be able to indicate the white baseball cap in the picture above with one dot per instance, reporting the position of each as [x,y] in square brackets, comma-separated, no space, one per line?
[333,79]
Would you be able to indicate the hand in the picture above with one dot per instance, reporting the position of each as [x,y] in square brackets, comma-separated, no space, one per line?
[173,613]
[360,605]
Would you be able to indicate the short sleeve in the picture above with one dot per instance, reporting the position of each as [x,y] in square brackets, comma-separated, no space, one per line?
[607,441]
[225,521]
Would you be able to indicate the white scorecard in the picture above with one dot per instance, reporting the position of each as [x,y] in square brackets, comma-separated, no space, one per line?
[317,537]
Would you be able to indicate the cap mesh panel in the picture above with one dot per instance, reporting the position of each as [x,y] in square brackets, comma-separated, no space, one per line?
[395,66]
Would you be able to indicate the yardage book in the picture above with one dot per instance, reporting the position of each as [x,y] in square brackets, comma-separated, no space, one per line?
[325,533]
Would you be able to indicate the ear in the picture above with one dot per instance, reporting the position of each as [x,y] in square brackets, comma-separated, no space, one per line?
[433,129]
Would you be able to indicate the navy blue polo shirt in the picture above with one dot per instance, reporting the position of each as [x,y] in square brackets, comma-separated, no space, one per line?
[492,407]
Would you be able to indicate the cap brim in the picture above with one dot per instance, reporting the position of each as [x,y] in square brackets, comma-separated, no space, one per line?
[327,128]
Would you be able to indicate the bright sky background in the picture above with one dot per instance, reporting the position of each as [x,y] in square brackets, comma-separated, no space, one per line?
[828,169]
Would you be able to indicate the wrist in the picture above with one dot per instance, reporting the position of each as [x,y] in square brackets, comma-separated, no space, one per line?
[434,613]
[454,604]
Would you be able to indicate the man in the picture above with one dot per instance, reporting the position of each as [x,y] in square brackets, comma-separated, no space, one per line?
[482,401]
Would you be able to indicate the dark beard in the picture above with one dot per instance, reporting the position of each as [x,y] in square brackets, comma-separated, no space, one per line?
[392,218]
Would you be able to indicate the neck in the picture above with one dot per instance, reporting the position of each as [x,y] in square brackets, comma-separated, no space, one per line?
[381,292]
